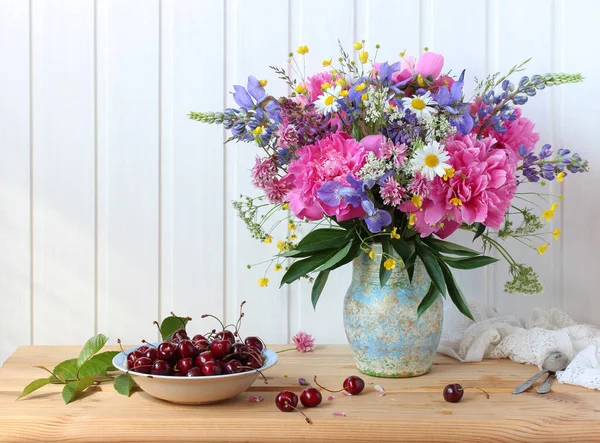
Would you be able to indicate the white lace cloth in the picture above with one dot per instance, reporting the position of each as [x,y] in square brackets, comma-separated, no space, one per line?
[525,340]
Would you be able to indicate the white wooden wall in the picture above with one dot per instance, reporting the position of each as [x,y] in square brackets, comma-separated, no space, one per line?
[115,208]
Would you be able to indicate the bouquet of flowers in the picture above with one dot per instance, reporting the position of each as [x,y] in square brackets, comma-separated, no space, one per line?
[393,153]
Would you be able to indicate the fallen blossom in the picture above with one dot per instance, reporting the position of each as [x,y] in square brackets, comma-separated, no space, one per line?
[338,414]
[331,397]
[254,399]
[379,389]
[303,382]
[347,394]
[304,342]
[285,376]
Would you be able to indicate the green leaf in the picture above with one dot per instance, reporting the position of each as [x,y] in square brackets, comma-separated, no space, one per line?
[335,259]
[354,252]
[171,324]
[92,346]
[409,265]
[318,286]
[469,263]
[454,291]
[480,230]
[384,274]
[35,385]
[432,266]
[73,389]
[402,248]
[302,267]
[45,369]
[124,384]
[321,239]
[431,296]
[66,370]
[98,364]
[449,248]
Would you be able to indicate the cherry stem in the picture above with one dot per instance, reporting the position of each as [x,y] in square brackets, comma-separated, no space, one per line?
[308,420]
[475,387]
[261,374]
[323,387]
[181,319]
[146,343]
[285,350]
[158,327]
[216,318]
[238,324]
[120,345]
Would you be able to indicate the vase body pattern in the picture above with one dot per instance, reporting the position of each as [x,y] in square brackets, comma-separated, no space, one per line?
[386,336]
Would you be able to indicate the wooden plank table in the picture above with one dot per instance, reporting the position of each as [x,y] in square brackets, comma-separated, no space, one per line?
[412,410]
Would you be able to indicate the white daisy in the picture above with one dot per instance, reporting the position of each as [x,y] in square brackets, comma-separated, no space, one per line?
[327,102]
[421,105]
[430,160]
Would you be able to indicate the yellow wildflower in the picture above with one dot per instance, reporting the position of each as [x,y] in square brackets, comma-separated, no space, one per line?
[556,234]
[291,225]
[263,83]
[363,57]
[326,63]
[302,49]
[325,86]
[417,200]
[358,46]
[553,207]
[448,173]
[300,88]
[344,93]
[285,206]
[268,239]
[547,215]
[293,237]
[561,177]
[543,248]
[263,282]
[420,80]
[372,254]
[412,219]
[394,234]
[389,264]
[334,71]
[364,97]
[278,267]
[340,82]
[281,245]
[360,87]
[259,130]
[456,201]
[402,54]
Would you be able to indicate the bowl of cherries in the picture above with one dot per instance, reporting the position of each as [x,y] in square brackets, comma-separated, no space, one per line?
[205,368]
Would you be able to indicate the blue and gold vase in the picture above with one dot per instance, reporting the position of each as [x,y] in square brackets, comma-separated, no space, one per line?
[386,336]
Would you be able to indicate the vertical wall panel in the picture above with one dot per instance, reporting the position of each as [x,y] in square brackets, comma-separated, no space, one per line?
[128,166]
[14,177]
[254,42]
[578,120]
[63,170]
[192,158]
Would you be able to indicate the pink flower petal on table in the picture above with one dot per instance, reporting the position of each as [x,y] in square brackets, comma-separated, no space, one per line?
[379,389]
[347,394]
[254,399]
[338,414]
[331,397]
[303,382]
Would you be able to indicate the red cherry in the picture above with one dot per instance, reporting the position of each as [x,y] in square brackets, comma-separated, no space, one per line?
[286,401]
[143,365]
[161,367]
[131,358]
[220,348]
[201,345]
[195,372]
[255,342]
[204,357]
[142,349]
[211,368]
[166,350]
[453,393]
[311,397]
[354,385]
[152,354]
[185,364]
[232,367]
[186,349]
[179,335]
[198,337]
[226,335]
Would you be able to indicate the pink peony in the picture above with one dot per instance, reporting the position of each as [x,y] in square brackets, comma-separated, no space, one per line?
[277,190]
[331,158]
[304,342]
[481,189]
[264,171]
[430,64]
[286,135]
[518,132]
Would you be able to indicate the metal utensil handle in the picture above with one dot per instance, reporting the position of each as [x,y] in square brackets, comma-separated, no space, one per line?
[545,387]
[528,383]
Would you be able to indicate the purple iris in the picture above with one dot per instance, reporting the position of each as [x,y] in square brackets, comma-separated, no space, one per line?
[376,221]
[244,98]
[451,100]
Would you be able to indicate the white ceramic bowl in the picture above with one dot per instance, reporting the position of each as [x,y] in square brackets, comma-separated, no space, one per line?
[194,390]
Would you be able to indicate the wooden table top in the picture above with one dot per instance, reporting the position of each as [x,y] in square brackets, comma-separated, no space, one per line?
[412,410]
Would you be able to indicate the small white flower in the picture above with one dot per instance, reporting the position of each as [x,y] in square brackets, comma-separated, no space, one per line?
[327,102]
[421,105]
[430,160]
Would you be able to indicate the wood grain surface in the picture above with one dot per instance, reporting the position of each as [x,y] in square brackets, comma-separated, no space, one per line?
[412,410]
